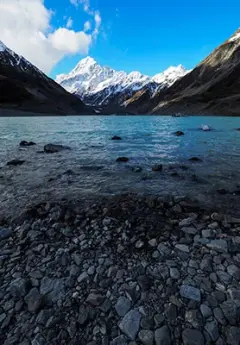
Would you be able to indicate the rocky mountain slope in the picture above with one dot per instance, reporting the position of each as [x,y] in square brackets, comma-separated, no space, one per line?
[24,87]
[102,86]
[213,87]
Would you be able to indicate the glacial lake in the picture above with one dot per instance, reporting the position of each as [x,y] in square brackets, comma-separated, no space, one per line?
[90,168]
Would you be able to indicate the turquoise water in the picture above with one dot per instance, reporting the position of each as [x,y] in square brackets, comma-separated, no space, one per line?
[146,140]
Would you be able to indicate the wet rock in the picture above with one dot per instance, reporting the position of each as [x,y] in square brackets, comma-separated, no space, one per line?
[15,162]
[121,340]
[115,137]
[207,233]
[192,337]
[222,191]
[137,169]
[162,336]
[171,312]
[220,246]
[83,315]
[195,159]
[206,265]
[95,299]
[189,230]
[54,289]
[179,133]
[43,317]
[34,300]
[190,292]
[174,273]
[157,167]
[194,318]
[122,306]
[38,340]
[212,329]
[130,324]
[25,143]
[122,159]
[5,233]
[218,314]
[146,337]
[183,247]
[233,335]
[54,148]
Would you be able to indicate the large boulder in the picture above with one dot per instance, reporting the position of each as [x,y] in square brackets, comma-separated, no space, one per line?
[54,148]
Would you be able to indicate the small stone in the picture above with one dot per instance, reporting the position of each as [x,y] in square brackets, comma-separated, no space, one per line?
[187,221]
[83,276]
[53,148]
[231,310]
[212,329]
[190,292]
[2,317]
[218,314]
[192,337]
[155,254]
[194,318]
[183,247]
[224,277]
[83,315]
[121,340]
[95,299]
[43,317]
[130,324]
[162,336]
[38,340]
[207,233]
[152,242]
[171,312]
[205,310]
[233,335]
[189,230]
[18,287]
[218,245]
[122,306]
[206,265]
[34,300]
[146,337]
[139,244]
[174,273]
[5,233]
[159,319]
[234,271]
[91,271]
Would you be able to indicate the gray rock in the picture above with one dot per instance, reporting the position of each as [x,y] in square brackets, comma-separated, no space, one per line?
[190,292]
[212,329]
[187,221]
[122,306]
[53,148]
[206,265]
[130,324]
[38,340]
[205,310]
[192,337]
[220,246]
[218,314]
[106,306]
[194,317]
[234,271]
[91,271]
[231,310]
[162,336]
[43,317]
[207,233]
[193,264]
[159,320]
[234,293]
[233,335]
[189,230]
[83,315]
[163,249]
[95,299]
[171,312]
[5,233]
[121,340]
[34,300]
[152,242]
[183,247]
[224,277]
[2,317]
[83,276]
[174,273]
[155,254]
[53,288]
[146,337]
[18,287]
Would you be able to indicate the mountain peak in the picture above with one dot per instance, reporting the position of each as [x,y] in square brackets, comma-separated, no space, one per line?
[235,36]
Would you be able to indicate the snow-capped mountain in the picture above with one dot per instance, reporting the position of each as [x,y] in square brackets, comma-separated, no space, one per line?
[99,85]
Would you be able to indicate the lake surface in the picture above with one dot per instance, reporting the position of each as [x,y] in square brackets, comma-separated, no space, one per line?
[146,140]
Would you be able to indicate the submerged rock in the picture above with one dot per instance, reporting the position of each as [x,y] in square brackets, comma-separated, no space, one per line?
[195,159]
[122,159]
[179,133]
[25,143]
[157,167]
[15,162]
[53,148]
[205,128]
[116,138]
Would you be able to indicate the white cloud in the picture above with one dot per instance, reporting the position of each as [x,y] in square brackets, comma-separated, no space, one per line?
[87,26]
[74,2]
[69,23]
[25,27]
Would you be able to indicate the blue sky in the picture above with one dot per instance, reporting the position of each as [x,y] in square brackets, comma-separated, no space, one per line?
[147,36]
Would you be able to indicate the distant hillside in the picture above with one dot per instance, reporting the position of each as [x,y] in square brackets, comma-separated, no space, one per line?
[25,87]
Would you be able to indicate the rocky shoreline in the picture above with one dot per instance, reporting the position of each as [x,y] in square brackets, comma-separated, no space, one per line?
[121,270]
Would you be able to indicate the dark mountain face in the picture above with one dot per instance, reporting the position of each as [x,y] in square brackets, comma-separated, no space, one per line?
[212,88]
[25,87]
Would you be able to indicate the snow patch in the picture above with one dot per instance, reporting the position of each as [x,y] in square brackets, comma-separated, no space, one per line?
[235,37]
[2,47]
